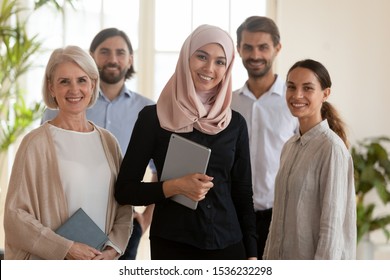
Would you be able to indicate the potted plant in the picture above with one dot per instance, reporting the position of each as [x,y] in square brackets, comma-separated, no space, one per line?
[16,49]
[372,173]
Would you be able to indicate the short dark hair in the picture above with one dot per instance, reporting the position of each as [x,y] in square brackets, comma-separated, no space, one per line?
[259,24]
[108,33]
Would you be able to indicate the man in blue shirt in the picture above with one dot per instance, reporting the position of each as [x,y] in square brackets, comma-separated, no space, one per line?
[117,107]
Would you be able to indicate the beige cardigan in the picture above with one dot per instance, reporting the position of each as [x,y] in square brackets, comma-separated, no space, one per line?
[36,204]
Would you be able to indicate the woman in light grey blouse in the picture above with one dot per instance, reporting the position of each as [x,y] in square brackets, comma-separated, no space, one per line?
[314,212]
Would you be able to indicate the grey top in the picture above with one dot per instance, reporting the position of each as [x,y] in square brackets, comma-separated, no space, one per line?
[314,214]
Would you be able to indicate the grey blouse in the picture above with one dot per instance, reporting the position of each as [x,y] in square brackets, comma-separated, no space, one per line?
[314,215]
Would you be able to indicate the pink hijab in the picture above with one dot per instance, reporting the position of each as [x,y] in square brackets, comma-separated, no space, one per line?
[179,107]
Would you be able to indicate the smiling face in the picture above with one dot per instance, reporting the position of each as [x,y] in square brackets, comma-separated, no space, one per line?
[208,66]
[258,53]
[113,59]
[71,87]
[304,97]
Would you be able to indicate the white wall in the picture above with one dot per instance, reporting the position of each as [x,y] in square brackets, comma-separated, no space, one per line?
[352,39]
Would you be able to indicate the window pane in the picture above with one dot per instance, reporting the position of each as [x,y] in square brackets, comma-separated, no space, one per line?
[165,66]
[81,23]
[123,15]
[215,12]
[34,78]
[173,24]
[47,23]
[174,20]
[241,9]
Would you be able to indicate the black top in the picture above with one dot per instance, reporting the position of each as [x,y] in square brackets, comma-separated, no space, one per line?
[225,216]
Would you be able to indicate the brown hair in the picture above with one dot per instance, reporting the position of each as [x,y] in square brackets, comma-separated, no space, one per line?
[328,111]
[108,33]
[259,24]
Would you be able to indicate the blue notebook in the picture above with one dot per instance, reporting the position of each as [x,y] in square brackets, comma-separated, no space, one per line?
[81,228]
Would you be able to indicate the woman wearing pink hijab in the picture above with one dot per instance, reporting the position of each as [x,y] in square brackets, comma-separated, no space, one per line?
[195,103]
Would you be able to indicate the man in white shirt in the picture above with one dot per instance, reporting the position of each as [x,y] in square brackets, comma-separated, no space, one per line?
[117,107]
[262,103]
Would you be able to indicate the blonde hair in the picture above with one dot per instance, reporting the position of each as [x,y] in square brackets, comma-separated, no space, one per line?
[69,54]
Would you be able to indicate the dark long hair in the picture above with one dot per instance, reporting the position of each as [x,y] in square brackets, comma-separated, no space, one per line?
[328,111]
[108,33]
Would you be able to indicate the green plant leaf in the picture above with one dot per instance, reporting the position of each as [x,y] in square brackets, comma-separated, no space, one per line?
[383,193]
[363,217]
[371,171]
[58,5]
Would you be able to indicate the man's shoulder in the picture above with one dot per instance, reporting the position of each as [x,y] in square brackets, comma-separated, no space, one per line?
[140,98]
[150,109]
[49,114]
[148,116]
[279,86]
[239,90]
[240,99]
[238,93]
[105,133]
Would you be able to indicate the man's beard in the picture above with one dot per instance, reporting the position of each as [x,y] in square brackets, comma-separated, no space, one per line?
[111,78]
[258,73]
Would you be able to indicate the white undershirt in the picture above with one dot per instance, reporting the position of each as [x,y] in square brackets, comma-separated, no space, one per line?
[84,172]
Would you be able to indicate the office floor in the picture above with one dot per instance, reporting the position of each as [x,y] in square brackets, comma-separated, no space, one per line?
[377,252]
[144,248]
[144,245]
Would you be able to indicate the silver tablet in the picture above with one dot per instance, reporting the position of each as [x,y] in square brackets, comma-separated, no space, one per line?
[184,157]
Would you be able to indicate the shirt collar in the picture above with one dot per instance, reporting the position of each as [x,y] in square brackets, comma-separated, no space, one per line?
[278,87]
[124,92]
[312,133]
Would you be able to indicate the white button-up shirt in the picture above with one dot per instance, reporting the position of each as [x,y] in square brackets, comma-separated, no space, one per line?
[270,125]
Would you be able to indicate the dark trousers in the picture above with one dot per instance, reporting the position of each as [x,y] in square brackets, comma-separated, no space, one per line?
[263,221]
[163,249]
[132,246]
